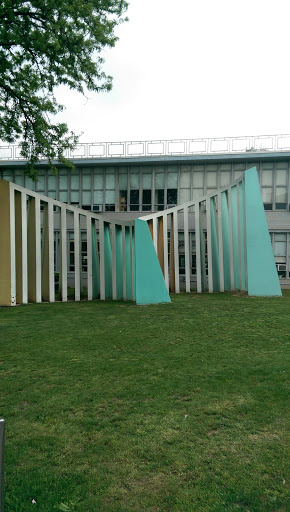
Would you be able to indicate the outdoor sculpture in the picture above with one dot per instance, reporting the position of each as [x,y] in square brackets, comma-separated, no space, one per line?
[233,248]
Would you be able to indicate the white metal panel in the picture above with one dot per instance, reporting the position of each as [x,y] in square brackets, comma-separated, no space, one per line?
[114,261]
[186,249]
[24,248]
[63,263]
[38,250]
[197,247]
[176,252]
[165,243]
[77,255]
[102,261]
[209,246]
[12,245]
[89,257]
[51,252]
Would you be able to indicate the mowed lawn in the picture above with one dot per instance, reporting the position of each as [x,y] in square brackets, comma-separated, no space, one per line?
[114,407]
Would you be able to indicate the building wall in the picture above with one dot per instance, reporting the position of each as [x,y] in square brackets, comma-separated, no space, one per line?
[130,189]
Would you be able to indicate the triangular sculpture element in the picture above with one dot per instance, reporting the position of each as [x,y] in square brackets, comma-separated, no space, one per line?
[150,284]
[261,269]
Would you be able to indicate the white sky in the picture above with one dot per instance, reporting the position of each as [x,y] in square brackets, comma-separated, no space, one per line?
[190,69]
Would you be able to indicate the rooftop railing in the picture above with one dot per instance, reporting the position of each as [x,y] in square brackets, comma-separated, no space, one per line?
[177,147]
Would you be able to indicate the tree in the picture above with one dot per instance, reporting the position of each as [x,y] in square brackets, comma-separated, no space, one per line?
[44,43]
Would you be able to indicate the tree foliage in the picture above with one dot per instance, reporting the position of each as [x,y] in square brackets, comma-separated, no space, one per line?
[43,44]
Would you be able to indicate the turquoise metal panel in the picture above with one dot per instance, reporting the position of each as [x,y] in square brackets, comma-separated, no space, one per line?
[119,263]
[226,241]
[215,248]
[261,269]
[242,234]
[108,262]
[95,264]
[128,264]
[235,238]
[150,284]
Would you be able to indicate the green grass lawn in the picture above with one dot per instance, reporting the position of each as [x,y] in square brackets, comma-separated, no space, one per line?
[114,407]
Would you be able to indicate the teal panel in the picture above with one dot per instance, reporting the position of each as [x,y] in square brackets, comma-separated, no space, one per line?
[119,262]
[235,235]
[242,233]
[226,241]
[202,251]
[150,284]
[261,269]
[128,264]
[215,248]
[108,262]
[95,264]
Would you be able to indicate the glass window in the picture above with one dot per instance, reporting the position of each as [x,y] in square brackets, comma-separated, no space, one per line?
[172,196]
[267,178]
[134,200]
[147,180]
[62,182]
[267,195]
[63,196]
[146,203]
[238,174]
[198,179]
[281,177]
[134,181]
[98,181]
[75,196]
[7,176]
[110,180]
[280,249]
[51,182]
[110,197]
[268,165]
[98,197]
[225,178]
[239,167]
[86,198]
[19,179]
[87,181]
[184,195]
[281,195]
[123,181]
[280,237]
[211,179]
[29,183]
[159,199]
[172,180]
[40,184]
[123,200]
[196,193]
[159,180]
[185,179]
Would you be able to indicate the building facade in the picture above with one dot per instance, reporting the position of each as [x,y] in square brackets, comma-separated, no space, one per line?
[126,187]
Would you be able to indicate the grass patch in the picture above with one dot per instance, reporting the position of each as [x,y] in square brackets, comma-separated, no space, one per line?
[112,407]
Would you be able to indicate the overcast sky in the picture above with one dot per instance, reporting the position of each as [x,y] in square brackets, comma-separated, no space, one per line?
[190,69]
